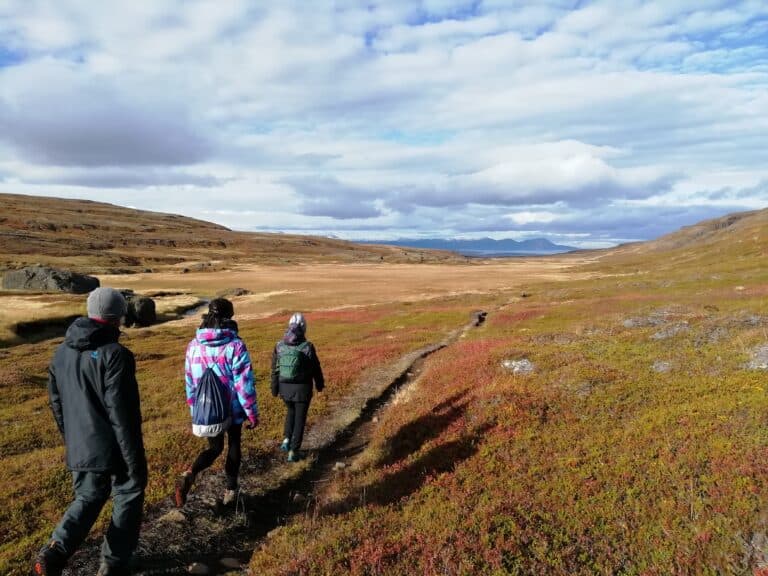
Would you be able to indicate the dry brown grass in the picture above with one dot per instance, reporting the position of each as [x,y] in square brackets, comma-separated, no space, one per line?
[302,287]
[15,308]
[336,285]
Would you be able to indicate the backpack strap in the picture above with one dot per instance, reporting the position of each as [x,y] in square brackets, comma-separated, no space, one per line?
[210,362]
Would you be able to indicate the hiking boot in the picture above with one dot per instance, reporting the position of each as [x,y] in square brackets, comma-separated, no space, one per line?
[50,561]
[286,445]
[183,485]
[230,496]
[110,570]
[293,456]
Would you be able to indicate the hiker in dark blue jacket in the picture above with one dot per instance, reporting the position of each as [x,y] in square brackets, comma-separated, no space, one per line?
[95,401]
[295,367]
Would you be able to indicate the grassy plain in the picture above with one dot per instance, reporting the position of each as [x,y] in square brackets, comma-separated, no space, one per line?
[308,286]
[360,317]
[637,446]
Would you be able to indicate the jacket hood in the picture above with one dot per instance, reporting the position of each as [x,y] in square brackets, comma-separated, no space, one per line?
[87,334]
[215,336]
[294,335]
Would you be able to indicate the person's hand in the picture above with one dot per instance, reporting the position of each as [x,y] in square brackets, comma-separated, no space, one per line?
[251,424]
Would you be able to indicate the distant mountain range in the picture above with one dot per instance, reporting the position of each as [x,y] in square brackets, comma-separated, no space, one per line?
[481,246]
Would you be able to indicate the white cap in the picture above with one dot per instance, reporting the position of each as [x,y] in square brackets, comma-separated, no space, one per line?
[298,320]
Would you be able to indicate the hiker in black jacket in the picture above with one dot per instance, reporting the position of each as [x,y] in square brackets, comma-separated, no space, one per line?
[295,366]
[95,402]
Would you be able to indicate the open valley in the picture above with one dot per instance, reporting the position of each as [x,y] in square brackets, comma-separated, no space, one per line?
[607,417]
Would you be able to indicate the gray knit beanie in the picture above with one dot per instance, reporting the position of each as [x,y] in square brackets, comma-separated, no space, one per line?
[106,304]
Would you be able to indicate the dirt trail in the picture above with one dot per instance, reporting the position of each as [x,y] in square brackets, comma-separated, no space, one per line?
[221,540]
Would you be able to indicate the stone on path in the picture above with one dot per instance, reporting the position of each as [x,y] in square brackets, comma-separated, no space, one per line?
[231,563]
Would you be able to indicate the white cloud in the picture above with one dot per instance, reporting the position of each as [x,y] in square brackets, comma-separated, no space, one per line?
[450,116]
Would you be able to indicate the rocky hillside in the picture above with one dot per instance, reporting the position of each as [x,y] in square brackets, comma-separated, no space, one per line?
[717,244]
[101,238]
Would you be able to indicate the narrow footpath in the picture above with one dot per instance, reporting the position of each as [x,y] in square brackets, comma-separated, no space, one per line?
[206,537]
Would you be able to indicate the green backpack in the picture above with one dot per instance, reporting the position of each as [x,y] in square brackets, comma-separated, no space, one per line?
[291,361]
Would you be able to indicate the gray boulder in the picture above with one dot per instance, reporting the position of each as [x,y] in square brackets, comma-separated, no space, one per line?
[759,359]
[142,311]
[661,366]
[523,366]
[671,331]
[47,279]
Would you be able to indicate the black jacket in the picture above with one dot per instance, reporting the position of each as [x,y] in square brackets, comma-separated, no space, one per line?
[95,400]
[300,389]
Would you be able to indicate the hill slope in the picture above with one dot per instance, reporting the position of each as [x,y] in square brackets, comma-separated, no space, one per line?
[719,243]
[632,441]
[101,238]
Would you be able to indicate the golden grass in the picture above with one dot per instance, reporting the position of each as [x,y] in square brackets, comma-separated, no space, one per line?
[310,286]
[336,285]
[15,308]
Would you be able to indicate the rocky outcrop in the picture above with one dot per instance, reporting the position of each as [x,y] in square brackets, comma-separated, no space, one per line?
[141,310]
[759,360]
[46,279]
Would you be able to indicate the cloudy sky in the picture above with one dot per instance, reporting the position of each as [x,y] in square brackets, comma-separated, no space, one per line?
[588,123]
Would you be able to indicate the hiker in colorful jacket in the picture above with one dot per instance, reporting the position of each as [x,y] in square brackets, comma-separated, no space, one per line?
[217,343]
[95,401]
[295,367]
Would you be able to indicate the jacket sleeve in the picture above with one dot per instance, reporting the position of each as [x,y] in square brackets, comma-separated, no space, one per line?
[317,371]
[189,383]
[275,374]
[244,381]
[55,399]
[121,399]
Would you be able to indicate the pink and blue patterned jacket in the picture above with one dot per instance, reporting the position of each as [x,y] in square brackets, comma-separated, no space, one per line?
[223,347]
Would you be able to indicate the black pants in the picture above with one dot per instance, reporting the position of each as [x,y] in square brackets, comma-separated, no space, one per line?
[214,450]
[295,420]
[92,490]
